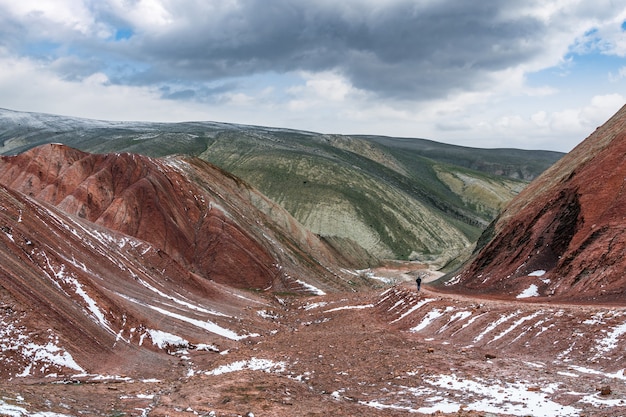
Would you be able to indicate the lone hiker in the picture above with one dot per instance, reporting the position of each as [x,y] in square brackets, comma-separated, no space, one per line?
[419,282]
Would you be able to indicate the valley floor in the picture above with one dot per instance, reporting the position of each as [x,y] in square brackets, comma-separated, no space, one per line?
[385,352]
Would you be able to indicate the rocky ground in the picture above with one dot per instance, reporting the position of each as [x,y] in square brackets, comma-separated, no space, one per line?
[385,352]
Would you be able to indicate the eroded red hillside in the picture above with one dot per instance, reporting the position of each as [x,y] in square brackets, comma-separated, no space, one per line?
[563,236]
[79,298]
[199,215]
[109,261]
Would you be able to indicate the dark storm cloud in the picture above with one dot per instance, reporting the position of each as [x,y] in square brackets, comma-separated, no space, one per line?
[406,49]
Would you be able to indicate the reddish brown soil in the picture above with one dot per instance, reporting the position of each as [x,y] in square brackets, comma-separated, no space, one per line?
[204,218]
[568,223]
[73,283]
[341,360]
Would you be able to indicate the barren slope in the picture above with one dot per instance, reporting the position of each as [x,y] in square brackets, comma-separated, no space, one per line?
[395,203]
[204,218]
[110,260]
[77,298]
[563,236]
[388,352]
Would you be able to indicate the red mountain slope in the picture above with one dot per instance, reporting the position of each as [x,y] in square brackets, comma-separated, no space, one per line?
[199,215]
[108,261]
[75,297]
[563,236]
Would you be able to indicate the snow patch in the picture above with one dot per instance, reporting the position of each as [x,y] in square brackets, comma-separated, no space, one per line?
[311,306]
[370,275]
[451,394]
[414,308]
[15,341]
[206,325]
[311,288]
[163,339]
[519,401]
[597,401]
[458,316]
[349,308]
[454,280]
[617,375]
[269,315]
[398,303]
[91,303]
[49,354]
[254,364]
[597,318]
[180,301]
[17,411]
[611,340]
[427,320]
[531,291]
[516,324]
[493,325]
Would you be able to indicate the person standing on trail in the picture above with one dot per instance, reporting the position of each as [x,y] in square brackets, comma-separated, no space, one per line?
[418,281]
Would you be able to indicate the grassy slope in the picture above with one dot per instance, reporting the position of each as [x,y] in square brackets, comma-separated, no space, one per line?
[394,204]
[513,163]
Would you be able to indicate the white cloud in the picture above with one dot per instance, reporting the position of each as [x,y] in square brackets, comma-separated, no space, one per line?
[323,102]
[147,15]
[70,15]
[601,108]
[238,99]
[565,127]
[621,74]
[321,89]
[586,118]
[28,85]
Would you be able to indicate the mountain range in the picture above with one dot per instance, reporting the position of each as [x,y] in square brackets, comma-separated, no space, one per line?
[394,198]
[166,285]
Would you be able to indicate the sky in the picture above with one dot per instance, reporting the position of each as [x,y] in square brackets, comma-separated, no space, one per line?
[530,74]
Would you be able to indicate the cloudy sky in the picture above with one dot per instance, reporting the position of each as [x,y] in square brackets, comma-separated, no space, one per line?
[532,74]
